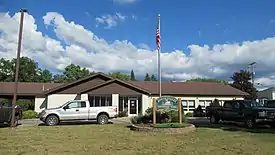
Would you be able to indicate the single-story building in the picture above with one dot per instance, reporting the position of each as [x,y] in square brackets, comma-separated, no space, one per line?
[265,95]
[131,96]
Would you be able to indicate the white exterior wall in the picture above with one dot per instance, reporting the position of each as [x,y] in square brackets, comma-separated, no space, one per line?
[273,95]
[146,103]
[56,100]
[38,104]
[115,100]
[196,99]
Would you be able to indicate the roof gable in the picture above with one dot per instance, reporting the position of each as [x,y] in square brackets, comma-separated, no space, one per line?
[117,81]
[78,82]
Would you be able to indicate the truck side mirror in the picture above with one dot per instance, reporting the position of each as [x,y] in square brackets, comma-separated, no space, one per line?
[66,107]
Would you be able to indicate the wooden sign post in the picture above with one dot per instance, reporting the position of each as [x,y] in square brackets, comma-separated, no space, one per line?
[180,110]
[154,111]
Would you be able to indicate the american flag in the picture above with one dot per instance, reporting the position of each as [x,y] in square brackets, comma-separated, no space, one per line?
[158,35]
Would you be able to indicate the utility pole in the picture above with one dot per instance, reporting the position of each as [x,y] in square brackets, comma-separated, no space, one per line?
[17,66]
[251,66]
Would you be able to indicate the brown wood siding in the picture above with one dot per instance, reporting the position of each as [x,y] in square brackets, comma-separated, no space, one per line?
[115,88]
[81,86]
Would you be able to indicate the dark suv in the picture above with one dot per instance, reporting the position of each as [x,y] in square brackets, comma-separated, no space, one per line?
[6,113]
[248,111]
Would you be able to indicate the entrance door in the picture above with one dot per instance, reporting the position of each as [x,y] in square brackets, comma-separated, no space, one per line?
[133,107]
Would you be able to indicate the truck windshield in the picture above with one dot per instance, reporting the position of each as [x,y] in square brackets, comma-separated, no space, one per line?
[64,104]
[252,104]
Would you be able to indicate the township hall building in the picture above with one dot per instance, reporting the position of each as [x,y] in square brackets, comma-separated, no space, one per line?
[131,96]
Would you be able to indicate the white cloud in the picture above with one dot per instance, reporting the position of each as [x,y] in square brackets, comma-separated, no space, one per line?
[124,1]
[85,48]
[110,20]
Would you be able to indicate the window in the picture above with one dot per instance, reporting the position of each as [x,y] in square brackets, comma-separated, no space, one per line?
[123,103]
[188,105]
[204,103]
[227,104]
[77,104]
[97,101]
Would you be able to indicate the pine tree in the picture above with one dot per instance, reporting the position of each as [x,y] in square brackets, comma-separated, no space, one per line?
[132,78]
[147,77]
[153,78]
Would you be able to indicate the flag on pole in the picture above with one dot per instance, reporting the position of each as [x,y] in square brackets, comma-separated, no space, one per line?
[158,44]
[158,33]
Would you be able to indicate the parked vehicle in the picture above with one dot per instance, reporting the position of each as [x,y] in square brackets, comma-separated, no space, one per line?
[270,104]
[78,110]
[248,111]
[6,113]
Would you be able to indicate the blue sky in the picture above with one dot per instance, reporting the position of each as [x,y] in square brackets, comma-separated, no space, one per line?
[182,22]
[209,39]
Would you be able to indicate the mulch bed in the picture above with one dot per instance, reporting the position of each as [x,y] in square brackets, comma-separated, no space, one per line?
[150,128]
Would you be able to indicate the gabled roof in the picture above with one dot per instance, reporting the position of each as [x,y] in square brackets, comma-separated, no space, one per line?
[26,88]
[115,81]
[190,88]
[78,81]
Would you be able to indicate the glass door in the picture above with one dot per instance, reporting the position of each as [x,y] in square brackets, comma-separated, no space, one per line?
[133,106]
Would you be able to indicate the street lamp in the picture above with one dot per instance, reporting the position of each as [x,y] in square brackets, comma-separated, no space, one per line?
[17,66]
[252,71]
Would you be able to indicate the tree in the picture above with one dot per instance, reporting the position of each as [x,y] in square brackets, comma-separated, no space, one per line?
[205,80]
[153,78]
[46,76]
[59,78]
[75,72]
[5,70]
[132,78]
[120,76]
[147,77]
[241,81]
[28,70]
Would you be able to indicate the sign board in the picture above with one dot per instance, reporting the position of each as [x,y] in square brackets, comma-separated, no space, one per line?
[167,102]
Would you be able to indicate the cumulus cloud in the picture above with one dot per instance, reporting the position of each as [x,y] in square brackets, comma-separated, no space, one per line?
[110,20]
[84,48]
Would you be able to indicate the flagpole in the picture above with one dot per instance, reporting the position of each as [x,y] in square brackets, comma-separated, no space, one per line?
[159,67]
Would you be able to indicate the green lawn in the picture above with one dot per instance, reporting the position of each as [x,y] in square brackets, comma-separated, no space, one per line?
[119,140]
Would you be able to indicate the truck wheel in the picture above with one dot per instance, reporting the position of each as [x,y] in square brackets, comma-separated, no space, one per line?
[214,120]
[102,119]
[250,123]
[52,120]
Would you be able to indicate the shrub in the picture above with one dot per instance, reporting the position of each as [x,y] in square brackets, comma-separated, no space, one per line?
[136,120]
[162,116]
[198,112]
[30,114]
[215,103]
[25,104]
[189,114]
[122,114]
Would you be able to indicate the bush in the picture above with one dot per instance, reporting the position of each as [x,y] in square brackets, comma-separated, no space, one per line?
[25,104]
[162,116]
[215,103]
[122,114]
[30,114]
[198,112]
[189,114]
[136,120]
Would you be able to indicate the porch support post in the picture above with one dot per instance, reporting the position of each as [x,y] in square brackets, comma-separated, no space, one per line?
[154,111]
[180,110]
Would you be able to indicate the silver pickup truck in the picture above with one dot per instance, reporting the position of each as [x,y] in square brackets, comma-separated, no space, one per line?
[77,110]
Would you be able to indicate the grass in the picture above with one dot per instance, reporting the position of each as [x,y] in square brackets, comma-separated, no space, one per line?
[170,125]
[119,140]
